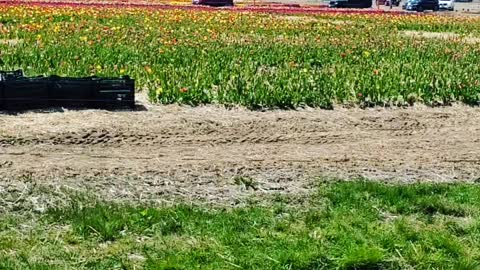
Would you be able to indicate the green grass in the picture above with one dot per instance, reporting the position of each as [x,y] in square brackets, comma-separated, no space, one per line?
[344,225]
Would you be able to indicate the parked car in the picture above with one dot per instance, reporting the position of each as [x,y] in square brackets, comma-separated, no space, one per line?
[350,4]
[447,4]
[421,5]
[404,6]
[395,2]
[387,2]
[214,3]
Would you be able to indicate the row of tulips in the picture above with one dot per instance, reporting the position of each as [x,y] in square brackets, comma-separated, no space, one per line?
[259,60]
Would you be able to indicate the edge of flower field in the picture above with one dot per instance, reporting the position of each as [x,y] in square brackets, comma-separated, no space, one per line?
[274,8]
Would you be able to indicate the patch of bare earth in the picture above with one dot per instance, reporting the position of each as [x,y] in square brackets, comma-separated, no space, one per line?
[11,42]
[311,19]
[302,19]
[173,152]
[442,36]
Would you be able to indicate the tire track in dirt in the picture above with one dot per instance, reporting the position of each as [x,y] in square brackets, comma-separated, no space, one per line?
[194,153]
[278,130]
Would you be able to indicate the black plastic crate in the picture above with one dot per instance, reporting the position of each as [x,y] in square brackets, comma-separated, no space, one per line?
[25,92]
[18,92]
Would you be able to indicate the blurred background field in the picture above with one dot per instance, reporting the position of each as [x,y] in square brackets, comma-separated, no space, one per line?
[461,6]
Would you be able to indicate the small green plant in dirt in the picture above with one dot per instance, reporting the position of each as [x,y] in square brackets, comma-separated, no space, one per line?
[346,225]
[246,181]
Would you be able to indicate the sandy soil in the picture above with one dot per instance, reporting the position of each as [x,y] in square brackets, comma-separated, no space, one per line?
[169,152]
[441,36]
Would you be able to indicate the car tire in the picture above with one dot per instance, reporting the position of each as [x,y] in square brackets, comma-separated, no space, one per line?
[419,9]
[436,8]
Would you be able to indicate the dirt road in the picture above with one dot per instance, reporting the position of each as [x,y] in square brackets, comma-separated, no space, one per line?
[195,153]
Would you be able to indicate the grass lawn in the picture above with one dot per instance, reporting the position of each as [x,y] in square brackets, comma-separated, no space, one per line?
[342,225]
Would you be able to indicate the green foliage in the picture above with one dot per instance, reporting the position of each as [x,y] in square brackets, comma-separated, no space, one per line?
[109,221]
[255,60]
[362,257]
[347,225]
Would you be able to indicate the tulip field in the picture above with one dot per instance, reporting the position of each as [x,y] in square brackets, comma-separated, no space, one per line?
[257,59]
[255,181]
